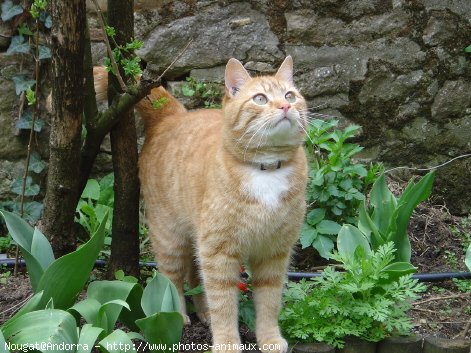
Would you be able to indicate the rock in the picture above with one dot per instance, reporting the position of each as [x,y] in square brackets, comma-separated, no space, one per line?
[9,171]
[460,7]
[439,31]
[308,27]
[452,100]
[421,130]
[403,53]
[213,74]
[250,39]
[442,345]
[389,87]
[348,62]
[409,344]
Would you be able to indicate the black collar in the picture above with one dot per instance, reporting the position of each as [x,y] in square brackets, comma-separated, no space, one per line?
[270,166]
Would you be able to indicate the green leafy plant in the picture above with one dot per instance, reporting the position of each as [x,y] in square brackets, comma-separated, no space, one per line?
[387,217]
[336,184]
[206,94]
[369,300]
[50,317]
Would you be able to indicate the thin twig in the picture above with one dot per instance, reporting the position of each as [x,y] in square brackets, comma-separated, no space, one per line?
[179,55]
[108,47]
[465,330]
[454,296]
[430,168]
[30,142]
[20,304]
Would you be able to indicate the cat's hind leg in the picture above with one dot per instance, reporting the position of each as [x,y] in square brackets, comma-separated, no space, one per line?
[172,254]
[199,300]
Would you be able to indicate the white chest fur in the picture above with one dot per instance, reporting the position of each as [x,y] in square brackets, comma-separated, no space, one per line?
[267,186]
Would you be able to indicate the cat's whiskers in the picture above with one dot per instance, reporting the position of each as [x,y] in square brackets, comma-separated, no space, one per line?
[262,125]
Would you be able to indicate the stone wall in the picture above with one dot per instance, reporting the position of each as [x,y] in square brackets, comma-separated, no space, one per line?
[395,67]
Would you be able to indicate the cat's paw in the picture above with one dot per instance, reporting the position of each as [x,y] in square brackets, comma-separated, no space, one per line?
[203,317]
[273,345]
[227,346]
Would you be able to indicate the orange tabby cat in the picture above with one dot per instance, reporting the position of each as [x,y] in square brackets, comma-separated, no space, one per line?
[224,187]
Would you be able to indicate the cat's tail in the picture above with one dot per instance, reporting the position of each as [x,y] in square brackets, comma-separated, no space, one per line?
[158,104]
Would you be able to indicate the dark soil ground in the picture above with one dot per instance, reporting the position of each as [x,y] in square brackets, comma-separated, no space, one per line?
[438,242]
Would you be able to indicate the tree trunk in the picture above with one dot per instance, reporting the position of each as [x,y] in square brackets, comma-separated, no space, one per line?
[125,237]
[68,18]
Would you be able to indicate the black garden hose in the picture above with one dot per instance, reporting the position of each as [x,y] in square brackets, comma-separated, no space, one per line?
[295,276]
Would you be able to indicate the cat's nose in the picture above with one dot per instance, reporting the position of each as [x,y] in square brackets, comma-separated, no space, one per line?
[285,106]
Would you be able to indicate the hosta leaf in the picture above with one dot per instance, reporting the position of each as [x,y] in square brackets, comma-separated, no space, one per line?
[349,239]
[65,277]
[467,259]
[9,10]
[87,338]
[117,342]
[160,295]
[51,325]
[91,190]
[164,328]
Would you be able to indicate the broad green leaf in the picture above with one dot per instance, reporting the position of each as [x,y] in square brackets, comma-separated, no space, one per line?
[164,328]
[102,320]
[117,342]
[22,83]
[467,259]
[105,291]
[88,309]
[22,234]
[9,10]
[411,197]
[308,234]
[91,190]
[315,216]
[328,227]
[368,227]
[41,249]
[349,238]
[160,295]
[384,204]
[468,49]
[3,343]
[87,338]
[65,278]
[18,45]
[398,269]
[51,325]
[324,246]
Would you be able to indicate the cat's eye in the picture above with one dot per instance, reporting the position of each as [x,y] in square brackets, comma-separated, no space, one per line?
[290,97]
[260,99]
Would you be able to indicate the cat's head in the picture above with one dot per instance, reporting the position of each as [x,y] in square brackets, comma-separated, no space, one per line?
[263,112]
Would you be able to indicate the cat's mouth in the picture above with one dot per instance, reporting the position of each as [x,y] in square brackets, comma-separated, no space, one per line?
[284,120]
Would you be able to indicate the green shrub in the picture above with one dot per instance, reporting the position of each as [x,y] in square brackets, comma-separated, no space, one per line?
[336,184]
[369,300]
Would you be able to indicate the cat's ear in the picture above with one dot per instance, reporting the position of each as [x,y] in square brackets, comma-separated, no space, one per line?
[285,72]
[235,76]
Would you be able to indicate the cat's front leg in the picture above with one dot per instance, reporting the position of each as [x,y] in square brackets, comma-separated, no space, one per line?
[268,276]
[220,272]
